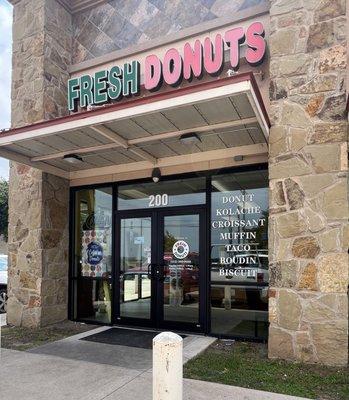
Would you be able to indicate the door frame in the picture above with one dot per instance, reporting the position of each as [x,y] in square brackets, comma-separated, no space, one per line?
[200,326]
[116,317]
[157,216]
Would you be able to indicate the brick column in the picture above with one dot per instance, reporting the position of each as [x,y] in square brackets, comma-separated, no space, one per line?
[38,215]
[308,182]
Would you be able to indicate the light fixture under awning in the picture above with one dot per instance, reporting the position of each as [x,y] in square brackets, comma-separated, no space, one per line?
[227,114]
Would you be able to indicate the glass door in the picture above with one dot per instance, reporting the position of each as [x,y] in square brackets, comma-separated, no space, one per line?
[160,274]
[181,263]
[136,290]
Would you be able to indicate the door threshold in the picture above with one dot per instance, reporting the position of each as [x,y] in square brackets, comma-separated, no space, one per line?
[149,329]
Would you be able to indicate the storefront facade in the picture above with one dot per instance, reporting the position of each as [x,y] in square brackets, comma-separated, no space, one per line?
[185,259]
[182,170]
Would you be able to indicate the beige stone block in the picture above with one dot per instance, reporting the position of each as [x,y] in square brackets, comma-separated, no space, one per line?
[284,6]
[57,271]
[324,158]
[335,201]
[315,311]
[328,9]
[277,194]
[54,314]
[272,310]
[314,220]
[294,115]
[290,224]
[321,35]
[289,309]
[298,138]
[288,167]
[14,311]
[291,65]
[320,83]
[315,184]
[329,240]
[343,305]
[280,344]
[333,273]
[283,42]
[283,250]
[303,348]
[331,342]
[345,237]
[278,147]
[31,317]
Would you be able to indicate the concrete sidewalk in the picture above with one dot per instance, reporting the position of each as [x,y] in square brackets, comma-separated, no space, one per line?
[74,369]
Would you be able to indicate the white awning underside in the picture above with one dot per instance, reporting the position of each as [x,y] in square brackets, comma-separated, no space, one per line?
[227,119]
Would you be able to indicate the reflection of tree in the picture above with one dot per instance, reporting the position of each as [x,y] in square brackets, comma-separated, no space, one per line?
[169,241]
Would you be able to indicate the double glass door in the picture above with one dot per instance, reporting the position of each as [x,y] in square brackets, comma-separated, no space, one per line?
[161,269]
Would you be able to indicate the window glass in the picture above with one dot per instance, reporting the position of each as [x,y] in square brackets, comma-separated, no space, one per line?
[135,259]
[93,233]
[239,253]
[93,300]
[180,192]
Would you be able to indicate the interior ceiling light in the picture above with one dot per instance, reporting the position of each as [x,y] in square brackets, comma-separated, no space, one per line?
[189,138]
[73,158]
[156,175]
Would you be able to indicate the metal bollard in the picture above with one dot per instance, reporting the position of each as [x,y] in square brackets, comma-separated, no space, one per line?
[167,366]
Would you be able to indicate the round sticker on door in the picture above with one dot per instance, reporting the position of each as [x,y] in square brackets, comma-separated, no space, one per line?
[180,249]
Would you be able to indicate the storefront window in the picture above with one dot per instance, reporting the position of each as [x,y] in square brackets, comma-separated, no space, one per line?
[239,255]
[93,254]
[179,192]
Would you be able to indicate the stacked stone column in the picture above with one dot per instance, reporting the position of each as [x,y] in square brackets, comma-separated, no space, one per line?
[308,171]
[38,203]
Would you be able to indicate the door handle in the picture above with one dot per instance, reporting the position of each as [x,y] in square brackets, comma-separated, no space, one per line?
[150,268]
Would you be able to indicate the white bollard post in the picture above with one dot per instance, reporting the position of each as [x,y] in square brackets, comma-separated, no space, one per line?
[167,366]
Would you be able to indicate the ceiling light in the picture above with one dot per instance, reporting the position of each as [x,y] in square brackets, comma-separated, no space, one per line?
[189,138]
[156,175]
[73,158]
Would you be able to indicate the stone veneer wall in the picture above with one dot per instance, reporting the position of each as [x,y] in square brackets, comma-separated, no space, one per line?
[38,215]
[119,24]
[308,241]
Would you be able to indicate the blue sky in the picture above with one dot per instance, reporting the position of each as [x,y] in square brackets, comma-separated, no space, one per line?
[5,73]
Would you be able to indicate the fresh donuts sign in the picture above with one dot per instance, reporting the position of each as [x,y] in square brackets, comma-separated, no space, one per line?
[192,61]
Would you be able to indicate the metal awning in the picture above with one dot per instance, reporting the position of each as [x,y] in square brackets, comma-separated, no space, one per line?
[227,114]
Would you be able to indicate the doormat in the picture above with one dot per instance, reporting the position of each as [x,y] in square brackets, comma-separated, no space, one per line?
[125,337]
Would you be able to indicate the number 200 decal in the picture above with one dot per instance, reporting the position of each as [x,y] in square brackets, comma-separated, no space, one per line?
[158,200]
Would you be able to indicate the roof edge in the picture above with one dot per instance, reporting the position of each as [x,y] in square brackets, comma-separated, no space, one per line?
[245,76]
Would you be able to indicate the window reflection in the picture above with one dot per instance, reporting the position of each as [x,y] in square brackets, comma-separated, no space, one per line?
[93,233]
[93,254]
[94,300]
[180,192]
[239,253]
[135,259]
